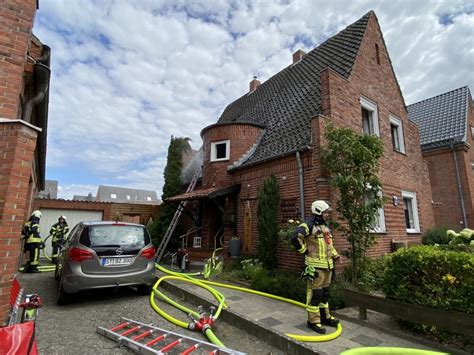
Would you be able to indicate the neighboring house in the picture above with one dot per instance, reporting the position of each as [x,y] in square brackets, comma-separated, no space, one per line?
[50,190]
[125,195]
[24,94]
[89,197]
[278,127]
[446,124]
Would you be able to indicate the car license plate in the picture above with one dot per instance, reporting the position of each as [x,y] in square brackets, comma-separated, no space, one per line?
[116,261]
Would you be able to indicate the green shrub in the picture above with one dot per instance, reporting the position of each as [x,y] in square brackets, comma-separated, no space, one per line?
[281,283]
[336,293]
[431,277]
[250,267]
[436,235]
[268,199]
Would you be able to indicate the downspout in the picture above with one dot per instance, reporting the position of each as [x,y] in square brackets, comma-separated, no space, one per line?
[300,176]
[458,180]
[41,73]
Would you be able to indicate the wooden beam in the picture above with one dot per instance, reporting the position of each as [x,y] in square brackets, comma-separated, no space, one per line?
[457,322]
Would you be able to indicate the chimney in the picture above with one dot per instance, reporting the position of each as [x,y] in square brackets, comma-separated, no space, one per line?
[298,55]
[254,84]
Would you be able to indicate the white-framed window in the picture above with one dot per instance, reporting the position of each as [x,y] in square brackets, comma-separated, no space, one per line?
[379,225]
[370,117]
[197,242]
[220,150]
[148,198]
[113,195]
[128,197]
[411,212]
[396,129]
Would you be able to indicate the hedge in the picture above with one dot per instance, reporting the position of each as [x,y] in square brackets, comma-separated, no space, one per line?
[431,277]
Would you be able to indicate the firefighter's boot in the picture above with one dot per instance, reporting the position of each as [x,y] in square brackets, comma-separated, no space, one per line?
[327,319]
[317,327]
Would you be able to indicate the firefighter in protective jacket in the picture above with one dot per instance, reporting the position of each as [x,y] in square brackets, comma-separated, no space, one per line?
[313,238]
[58,232]
[33,242]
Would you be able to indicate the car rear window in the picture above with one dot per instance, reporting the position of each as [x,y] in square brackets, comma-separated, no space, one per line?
[115,235]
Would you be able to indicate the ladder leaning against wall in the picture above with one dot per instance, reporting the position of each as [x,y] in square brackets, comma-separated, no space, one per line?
[177,215]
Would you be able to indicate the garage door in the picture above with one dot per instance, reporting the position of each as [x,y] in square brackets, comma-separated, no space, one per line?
[50,216]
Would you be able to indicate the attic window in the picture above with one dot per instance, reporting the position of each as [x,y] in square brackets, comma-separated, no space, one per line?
[472,132]
[113,195]
[220,150]
[128,197]
[377,54]
[148,198]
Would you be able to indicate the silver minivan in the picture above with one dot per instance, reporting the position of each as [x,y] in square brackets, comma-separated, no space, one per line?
[105,254]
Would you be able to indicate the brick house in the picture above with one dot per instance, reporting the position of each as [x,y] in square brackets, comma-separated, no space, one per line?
[278,127]
[446,124]
[24,92]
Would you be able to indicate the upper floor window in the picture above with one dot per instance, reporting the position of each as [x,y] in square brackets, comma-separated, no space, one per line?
[396,129]
[411,212]
[128,197]
[148,198]
[370,120]
[379,224]
[220,150]
[113,195]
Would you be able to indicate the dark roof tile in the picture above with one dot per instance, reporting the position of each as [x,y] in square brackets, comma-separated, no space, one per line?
[442,119]
[286,102]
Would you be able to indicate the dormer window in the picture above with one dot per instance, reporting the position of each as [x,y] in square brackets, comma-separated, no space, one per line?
[220,150]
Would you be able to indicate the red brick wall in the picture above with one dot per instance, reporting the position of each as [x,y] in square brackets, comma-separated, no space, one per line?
[17,144]
[241,137]
[17,141]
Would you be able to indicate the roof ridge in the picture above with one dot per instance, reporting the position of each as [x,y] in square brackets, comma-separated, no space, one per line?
[436,96]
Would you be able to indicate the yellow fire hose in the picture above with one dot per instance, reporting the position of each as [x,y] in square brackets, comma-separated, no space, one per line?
[389,351]
[220,298]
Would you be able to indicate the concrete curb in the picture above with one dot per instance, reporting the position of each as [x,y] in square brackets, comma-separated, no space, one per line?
[401,334]
[282,342]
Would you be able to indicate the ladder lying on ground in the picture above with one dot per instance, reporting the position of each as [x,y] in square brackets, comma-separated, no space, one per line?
[129,333]
[177,214]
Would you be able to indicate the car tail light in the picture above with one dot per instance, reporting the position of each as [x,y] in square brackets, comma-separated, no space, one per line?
[80,255]
[149,252]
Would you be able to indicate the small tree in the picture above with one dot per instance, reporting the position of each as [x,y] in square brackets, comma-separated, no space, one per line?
[173,186]
[267,223]
[352,159]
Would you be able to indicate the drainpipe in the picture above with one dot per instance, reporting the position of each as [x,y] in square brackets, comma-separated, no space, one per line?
[41,73]
[458,179]
[300,176]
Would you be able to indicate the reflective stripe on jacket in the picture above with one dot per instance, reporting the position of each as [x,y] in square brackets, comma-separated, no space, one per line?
[58,231]
[315,241]
[33,232]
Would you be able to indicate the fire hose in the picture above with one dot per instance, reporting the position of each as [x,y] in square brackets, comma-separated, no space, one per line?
[203,322]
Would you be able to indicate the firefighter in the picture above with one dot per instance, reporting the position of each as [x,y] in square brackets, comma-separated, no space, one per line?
[58,232]
[313,238]
[33,242]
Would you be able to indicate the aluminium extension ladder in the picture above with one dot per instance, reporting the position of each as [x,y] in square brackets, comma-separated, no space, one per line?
[147,339]
[177,214]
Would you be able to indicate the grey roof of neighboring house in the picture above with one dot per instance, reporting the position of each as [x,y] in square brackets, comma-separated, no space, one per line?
[442,119]
[88,197]
[287,101]
[104,193]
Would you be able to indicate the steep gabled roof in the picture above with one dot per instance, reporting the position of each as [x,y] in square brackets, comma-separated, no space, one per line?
[442,119]
[286,102]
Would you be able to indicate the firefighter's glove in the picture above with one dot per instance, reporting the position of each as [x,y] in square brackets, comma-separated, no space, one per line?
[309,273]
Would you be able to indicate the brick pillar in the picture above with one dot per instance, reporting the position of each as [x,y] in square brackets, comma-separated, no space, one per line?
[17,140]
[17,146]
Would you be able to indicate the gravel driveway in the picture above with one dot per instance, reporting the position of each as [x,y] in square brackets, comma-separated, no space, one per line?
[71,329]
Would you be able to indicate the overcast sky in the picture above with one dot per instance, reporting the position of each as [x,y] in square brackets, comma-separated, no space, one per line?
[126,75]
